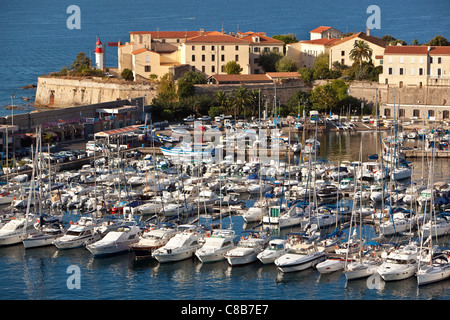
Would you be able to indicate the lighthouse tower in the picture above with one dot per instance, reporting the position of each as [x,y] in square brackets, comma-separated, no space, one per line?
[99,55]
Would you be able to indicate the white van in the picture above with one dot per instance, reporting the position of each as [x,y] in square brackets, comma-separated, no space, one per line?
[92,146]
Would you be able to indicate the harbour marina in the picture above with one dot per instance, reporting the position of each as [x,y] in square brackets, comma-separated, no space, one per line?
[206,198]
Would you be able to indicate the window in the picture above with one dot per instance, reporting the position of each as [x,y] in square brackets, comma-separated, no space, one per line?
[401,60]
[412,59]
[390,71]
[439,72]
[147,58]
[431,59]
[203,48]
[416,113]
[342,61]
[256,60]
[430,113]
[213,69]
[412,71]
[400,84]
[439,59]
[222,58]
[213,57]
[222,48]
[421,60]
[148,68]
[387,112]
[342,53]
[193,48]
[276,49]
[236,57]
[420,71]
[193,58]
[401,112]
[390,59]
[236,48]
[445,114]
[203,57]
[203,69]
[401,71]
[256,49]
[213,48]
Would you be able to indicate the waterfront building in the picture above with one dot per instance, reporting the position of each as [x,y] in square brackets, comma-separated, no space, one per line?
[340,50]
[306,51]
[416,66]
[160,52]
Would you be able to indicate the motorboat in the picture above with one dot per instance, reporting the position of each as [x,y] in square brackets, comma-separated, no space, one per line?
[437,269]
[17,229]
[254,214]
[247,249]
[311,146]
[436,227]
[152,240]
[80,234]
[300,256]
[116,242]
[397,224]
[332,264]
[362,268]
[216,246]
[175,209]
[181,246]
[48,231]
[6,198]
[400,264]
[378,193]
[275,249]
[206,197]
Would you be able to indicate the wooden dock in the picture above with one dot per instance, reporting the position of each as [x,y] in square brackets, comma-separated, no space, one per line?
[421,153]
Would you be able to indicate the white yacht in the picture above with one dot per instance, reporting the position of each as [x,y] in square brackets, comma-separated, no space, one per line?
[362,268]
[398,223]
[254,214]
[332,264]
[152,240]
[175,209]
[115,242]
[206,197]
[216,246]
[275,249]
[47,233]
[247,249]
[436,227]
[17,229]
[80,234]
[399,264]
[437,269]
[180,247]
[300,256]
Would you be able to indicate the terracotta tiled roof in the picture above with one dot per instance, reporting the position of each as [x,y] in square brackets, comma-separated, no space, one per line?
[417,50]
[170,34]
[278,75]
[322,41]
[240,78]
[263,39]
[320,29]
[215,38]
[139,51]
[376,41]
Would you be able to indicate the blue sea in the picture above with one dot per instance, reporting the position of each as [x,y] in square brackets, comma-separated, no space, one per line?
[36,40]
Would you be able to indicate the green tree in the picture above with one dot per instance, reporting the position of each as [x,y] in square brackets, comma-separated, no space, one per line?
[327,97]
[321,66]
[297,102]
[286,38]
[439,41]
[415,42]
[268,60]
[360,51]
[167,88]
[127,74]
[240,99]
[307,74]
[187,81]
[81,62]
[221,99]
[232,67]
[286,64]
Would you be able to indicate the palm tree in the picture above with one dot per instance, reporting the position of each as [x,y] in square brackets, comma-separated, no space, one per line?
[360,51]
[240,99]
[221,99]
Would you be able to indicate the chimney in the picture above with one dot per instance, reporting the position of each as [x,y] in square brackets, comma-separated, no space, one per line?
[368,31]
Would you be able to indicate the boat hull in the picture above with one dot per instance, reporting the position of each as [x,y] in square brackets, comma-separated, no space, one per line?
[432,274]
[292,263]
[39,241]
[175,256]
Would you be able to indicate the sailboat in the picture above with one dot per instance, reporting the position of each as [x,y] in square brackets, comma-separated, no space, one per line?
[436,267]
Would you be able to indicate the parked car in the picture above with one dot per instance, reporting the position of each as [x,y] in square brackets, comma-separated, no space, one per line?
[204,118]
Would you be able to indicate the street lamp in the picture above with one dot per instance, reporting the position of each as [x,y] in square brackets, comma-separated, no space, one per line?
[12,108]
